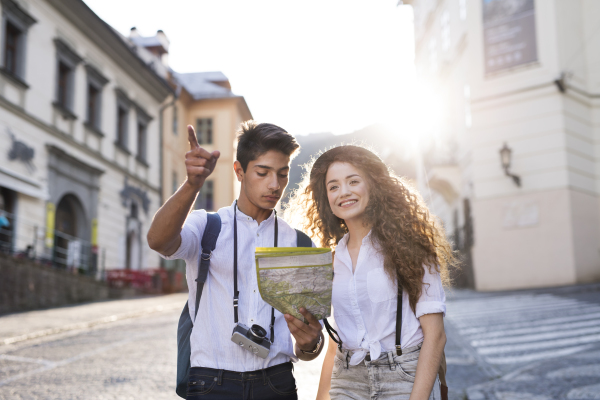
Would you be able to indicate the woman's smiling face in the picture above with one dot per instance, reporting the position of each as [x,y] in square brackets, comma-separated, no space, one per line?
[347,190]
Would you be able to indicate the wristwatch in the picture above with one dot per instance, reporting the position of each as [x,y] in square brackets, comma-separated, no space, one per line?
[317,347]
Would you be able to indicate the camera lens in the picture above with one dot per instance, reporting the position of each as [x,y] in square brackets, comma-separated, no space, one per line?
[258,333]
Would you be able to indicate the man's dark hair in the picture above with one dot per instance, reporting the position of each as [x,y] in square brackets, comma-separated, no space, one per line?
[256,139]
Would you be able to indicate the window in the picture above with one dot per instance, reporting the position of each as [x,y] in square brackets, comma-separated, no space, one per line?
[204,130]
[433,61]
[92,106]
[11,48]
[445,30]
[141,141]
[205,198]
[468,118]
[123,106]
[175,120]
[64,84]
[67,61]
[142,133]
[95,83]
[462,6]
[16,23]
[174,182]
[122,122]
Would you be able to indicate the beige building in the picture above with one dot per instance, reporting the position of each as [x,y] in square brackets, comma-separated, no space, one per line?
[520,73]
[206,102]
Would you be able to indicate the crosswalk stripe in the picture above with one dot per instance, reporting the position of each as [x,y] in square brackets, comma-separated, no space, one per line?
[536,356]
[494,313]
[469,304]
[529,323]
[535,337]
[536,329]
[539,345]
[531,318]
[498,310]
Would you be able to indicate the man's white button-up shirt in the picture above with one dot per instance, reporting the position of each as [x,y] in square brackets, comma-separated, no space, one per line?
[365,303]
[211,344]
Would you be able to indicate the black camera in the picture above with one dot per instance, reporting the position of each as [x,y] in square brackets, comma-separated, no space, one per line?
[254,339]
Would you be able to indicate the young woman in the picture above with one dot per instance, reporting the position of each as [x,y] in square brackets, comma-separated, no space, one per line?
[383,237]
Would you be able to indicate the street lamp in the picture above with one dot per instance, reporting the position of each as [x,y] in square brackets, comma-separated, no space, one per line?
[505,158]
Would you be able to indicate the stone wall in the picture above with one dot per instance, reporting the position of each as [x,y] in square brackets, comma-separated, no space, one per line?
[26,285]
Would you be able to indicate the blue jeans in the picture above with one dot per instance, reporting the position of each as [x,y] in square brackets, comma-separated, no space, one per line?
[275,383]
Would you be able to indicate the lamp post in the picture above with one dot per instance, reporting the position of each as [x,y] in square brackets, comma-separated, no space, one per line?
[505,158]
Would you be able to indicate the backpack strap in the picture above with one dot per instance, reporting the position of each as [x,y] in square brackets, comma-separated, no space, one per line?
[207,244]
[302,239]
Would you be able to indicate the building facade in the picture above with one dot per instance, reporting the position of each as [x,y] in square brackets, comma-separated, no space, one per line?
[518,75]
[79,138]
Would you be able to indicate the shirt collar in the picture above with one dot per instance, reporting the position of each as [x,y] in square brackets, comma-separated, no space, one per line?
[344,240]
[240,216]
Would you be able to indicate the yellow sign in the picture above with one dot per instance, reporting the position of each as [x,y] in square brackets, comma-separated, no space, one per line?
[94,232]
[50,218]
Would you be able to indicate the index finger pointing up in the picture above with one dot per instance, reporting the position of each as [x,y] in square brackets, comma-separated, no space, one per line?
[192,138]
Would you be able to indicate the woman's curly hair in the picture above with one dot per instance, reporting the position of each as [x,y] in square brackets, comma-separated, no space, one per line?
[409,237]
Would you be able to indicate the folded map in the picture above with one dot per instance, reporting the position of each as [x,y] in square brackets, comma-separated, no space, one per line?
[293,277]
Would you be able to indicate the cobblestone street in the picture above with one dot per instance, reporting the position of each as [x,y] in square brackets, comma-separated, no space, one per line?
[537,345]
[112,350]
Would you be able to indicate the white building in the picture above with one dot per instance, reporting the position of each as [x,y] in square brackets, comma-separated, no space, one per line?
[79,135]
[522,73]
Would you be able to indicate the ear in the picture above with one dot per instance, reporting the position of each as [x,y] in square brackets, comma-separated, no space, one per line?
[239,171]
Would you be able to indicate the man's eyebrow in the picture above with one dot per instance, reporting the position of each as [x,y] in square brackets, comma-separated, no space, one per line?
[348,177]
[267,167]
[263,166]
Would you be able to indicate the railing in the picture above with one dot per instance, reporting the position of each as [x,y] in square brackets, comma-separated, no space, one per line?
[22,238]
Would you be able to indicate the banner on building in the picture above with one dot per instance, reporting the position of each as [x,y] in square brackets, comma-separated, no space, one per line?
[50,217]
[508,34]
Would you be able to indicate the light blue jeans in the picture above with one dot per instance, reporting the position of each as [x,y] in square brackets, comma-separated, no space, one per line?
[389,377]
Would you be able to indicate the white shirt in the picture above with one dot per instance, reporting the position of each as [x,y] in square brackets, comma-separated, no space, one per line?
[211,344]
[365,303]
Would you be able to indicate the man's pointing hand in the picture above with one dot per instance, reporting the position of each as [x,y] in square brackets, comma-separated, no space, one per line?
[199,163]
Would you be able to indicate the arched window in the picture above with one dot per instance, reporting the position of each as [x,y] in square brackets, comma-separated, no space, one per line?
[68,227]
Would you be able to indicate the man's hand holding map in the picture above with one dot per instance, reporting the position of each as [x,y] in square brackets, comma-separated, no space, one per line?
[293,277]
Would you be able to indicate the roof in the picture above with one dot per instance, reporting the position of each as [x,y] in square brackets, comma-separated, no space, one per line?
[203,85]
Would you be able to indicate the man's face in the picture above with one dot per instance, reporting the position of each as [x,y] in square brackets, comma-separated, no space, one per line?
[265,179]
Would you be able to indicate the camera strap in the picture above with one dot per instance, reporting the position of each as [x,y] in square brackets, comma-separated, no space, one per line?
[236,293]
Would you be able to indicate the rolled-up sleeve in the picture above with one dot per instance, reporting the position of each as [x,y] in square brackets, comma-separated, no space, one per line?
[433,298]
[191,234]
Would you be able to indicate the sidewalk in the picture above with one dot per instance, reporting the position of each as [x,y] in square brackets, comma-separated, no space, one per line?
[28,325]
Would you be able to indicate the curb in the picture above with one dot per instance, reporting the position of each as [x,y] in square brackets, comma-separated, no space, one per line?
[90,324]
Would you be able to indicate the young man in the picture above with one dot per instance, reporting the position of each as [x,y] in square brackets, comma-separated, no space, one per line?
[220,368]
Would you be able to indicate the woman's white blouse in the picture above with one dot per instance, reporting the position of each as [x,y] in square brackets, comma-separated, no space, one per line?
[365,303]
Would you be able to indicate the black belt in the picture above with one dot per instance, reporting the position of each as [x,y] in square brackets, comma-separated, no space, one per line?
[220,374]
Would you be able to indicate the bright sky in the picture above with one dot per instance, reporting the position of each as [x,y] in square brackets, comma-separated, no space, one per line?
[309,66]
